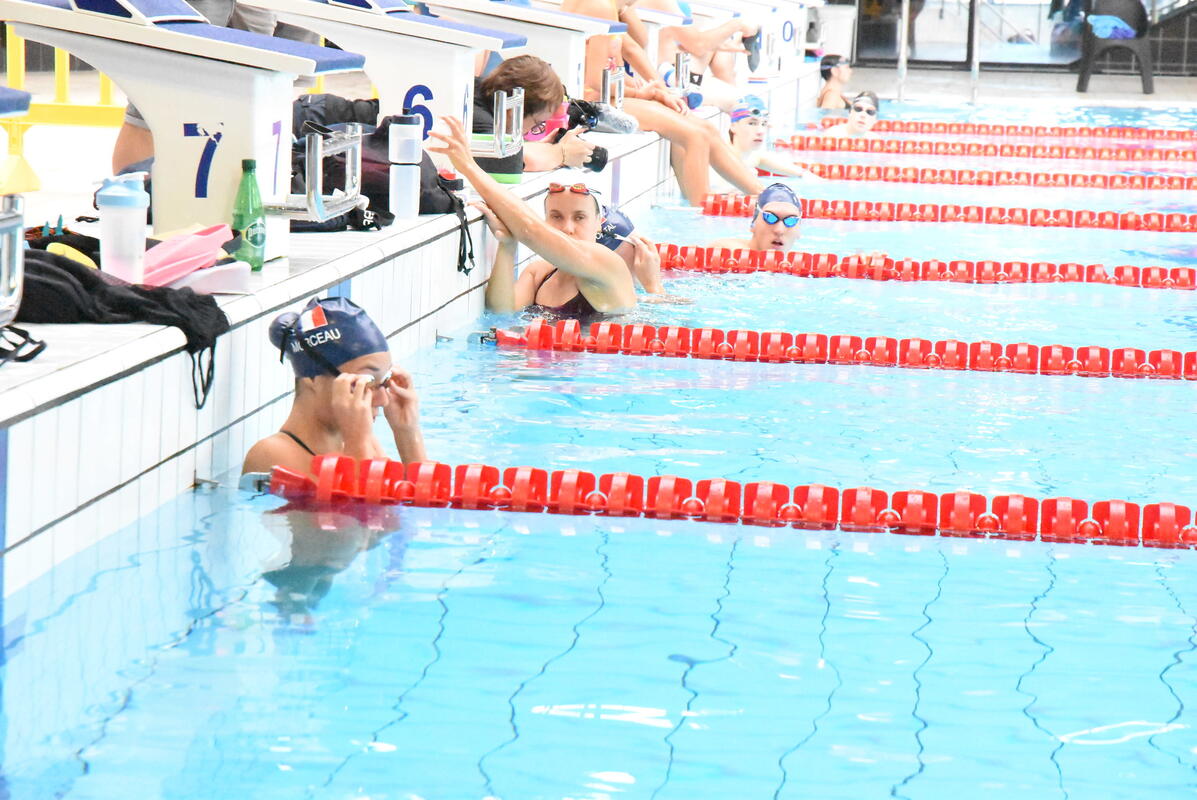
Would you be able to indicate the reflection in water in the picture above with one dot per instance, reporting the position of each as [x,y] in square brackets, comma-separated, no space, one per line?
[315,545]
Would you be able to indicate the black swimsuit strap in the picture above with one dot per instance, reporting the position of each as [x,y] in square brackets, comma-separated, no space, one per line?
[543,281]
[298,441]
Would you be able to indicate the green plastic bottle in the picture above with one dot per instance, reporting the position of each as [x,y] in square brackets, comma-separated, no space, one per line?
[249,218]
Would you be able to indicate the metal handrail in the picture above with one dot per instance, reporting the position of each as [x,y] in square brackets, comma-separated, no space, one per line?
[314,205]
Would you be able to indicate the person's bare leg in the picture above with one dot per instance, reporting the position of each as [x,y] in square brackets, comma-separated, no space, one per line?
[705,43]
[727,163]
[133,144]
[723,67]
[692,165]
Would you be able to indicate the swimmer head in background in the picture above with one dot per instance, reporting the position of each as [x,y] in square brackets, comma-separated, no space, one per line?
[749,119]
[328,333]
[775,221]
[863,112]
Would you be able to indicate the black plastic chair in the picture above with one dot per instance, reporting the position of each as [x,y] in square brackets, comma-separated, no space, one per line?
[1134,15]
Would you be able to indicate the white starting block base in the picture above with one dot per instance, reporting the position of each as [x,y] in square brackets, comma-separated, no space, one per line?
[206,118]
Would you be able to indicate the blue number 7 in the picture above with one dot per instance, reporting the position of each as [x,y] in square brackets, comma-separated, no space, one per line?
[205,162]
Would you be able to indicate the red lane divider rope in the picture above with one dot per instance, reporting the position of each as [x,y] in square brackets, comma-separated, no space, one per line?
[968,177]
[1029,131]
[340,479]
[927,147]
[875,351]
[738,205]
[861,267]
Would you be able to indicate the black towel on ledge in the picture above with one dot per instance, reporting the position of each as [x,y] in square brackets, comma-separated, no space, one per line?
[61,290]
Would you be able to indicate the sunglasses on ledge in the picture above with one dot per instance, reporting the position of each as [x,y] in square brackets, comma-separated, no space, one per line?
[872,112]
[772,219]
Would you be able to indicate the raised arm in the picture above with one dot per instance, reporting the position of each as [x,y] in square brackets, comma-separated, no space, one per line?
[588,261]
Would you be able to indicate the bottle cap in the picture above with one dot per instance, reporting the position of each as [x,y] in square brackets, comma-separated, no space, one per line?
[248,164]
[117,193]
[407,119]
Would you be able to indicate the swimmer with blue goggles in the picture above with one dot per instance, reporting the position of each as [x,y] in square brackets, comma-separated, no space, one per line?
[775,223]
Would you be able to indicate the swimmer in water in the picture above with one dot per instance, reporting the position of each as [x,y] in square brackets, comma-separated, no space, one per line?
[775,222]
[575,277]
[862,116]
[344,377]
[749,121]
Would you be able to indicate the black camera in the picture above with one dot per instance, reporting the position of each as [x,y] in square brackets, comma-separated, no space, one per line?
[586,115]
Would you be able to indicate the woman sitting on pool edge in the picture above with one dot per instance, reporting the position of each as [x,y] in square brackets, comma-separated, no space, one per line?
[575,276]
[343,377]
[749,119]
[862,116]
[775,221]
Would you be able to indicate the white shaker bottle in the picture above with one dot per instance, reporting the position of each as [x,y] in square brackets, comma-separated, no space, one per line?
[404,151]
[122,202]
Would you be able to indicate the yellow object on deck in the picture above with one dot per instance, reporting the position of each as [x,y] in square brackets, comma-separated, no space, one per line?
[17,174]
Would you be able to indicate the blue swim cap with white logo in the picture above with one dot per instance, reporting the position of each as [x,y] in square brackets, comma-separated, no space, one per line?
[328,333]
[776,193]
[615,223]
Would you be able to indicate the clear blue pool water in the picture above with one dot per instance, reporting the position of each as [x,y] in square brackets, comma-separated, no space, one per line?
[230,647]
[485,655]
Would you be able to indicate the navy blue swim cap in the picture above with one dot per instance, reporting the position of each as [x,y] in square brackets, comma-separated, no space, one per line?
[333,330]
[776,193]
[615,223]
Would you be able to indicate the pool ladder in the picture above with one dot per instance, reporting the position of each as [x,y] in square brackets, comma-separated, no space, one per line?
[12,256]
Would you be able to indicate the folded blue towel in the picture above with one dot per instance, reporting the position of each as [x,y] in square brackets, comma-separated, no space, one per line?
[1110,27]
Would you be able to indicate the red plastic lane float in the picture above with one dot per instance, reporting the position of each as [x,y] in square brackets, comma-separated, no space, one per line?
[877,351]
[968,177]
[1024,131]
[340,480]
[862,267]
[737,205]
[1095,150]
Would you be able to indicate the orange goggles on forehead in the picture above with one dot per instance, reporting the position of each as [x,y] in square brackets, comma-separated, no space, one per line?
[574,188]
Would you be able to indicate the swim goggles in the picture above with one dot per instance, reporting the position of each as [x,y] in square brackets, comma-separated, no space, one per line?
[772,219]
[574,188]
[872,112]
[743,113]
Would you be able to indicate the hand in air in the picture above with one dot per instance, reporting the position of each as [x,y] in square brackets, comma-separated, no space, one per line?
[500,231]
[456,143]
[575,151]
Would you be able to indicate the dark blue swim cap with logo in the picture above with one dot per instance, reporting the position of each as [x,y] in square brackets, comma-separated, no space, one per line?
[776,193]
[615,223]
[329,332]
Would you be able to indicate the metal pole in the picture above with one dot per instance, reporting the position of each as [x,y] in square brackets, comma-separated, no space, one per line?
[976,55]
[903,38]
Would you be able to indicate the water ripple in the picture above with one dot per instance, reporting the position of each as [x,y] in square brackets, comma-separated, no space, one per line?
[604,558]
[918,683]
[839,681]
[691,663]
[1177,660]
[1047,651]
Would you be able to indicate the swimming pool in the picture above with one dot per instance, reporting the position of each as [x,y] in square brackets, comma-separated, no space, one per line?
[231,646]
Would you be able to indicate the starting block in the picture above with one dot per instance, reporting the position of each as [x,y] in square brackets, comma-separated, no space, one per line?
[211,96]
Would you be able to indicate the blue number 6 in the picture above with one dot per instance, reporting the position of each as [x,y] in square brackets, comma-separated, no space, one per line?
[205,162]
[419,92]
